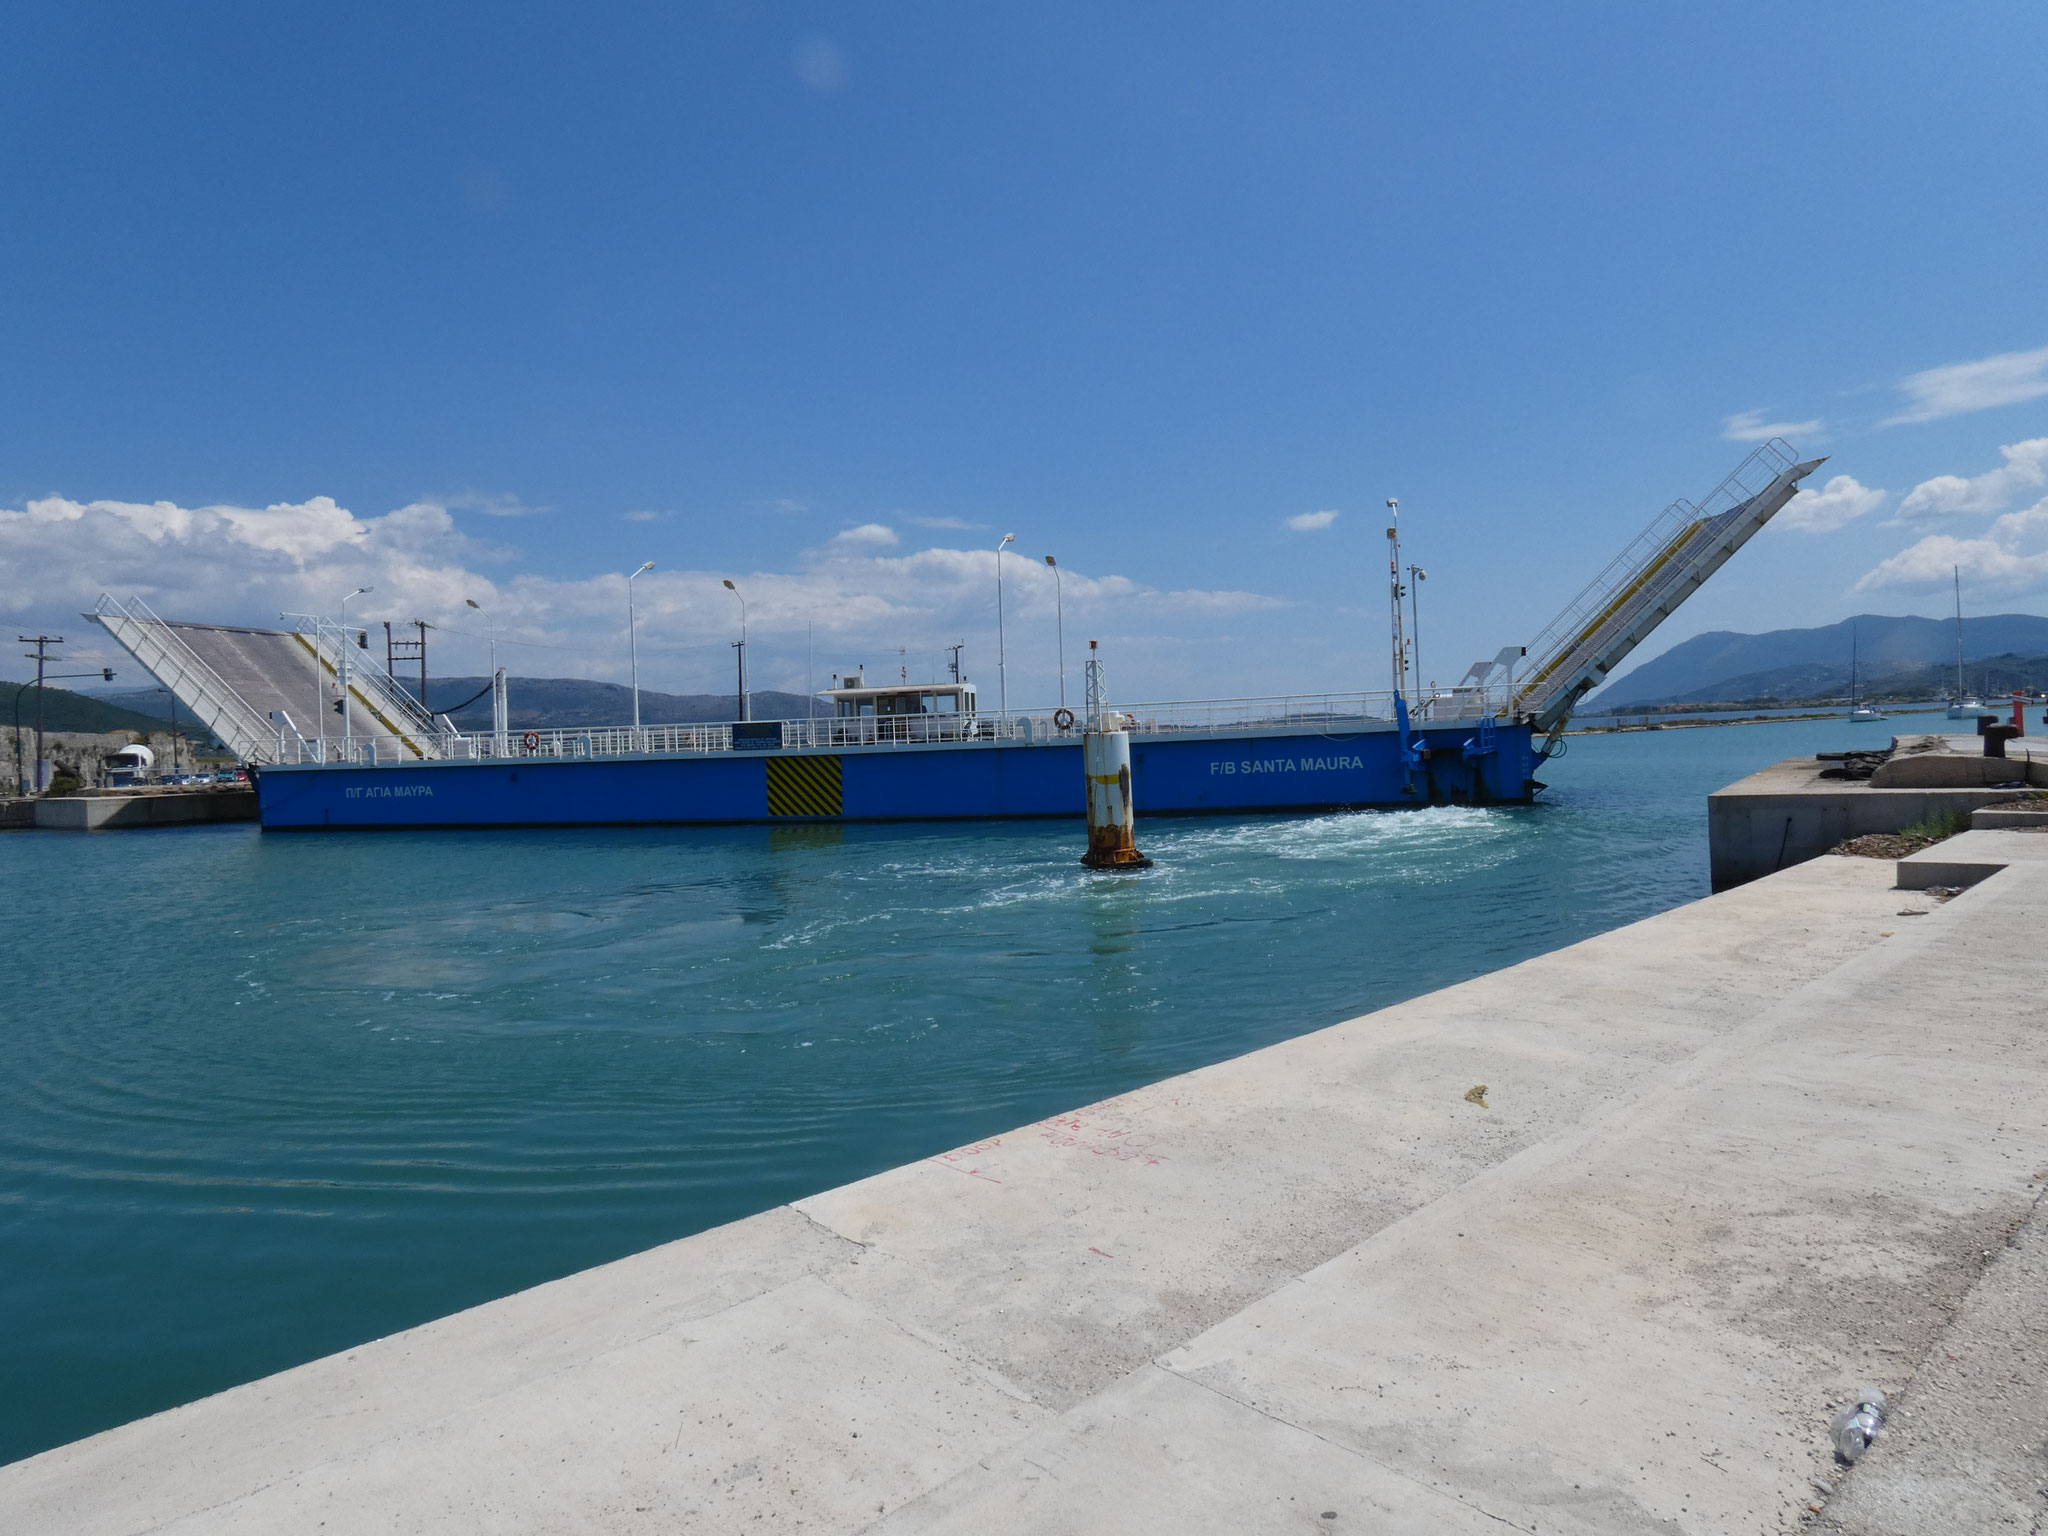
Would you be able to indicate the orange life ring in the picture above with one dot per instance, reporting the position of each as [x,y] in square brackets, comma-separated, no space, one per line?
[532,741]
[1063,718]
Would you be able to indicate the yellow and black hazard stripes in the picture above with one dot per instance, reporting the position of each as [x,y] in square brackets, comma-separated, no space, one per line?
[804,786]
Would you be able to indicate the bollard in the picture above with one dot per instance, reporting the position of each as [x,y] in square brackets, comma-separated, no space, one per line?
[1106,759]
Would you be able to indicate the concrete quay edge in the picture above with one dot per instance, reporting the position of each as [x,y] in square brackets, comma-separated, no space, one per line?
[1971,856]
[1728,1171]
[1991,820]
[1787,813]
[109,812]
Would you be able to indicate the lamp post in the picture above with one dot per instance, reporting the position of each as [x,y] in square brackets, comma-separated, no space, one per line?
[497,698]
[742,700]
[633,645]
[347,725]
[1002,657]
[1059,609]
[1416,576]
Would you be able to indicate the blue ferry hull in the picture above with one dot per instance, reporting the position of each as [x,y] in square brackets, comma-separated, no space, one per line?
[1206,774]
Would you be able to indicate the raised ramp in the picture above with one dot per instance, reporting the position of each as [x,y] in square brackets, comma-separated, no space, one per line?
[234,680]
[1647,581]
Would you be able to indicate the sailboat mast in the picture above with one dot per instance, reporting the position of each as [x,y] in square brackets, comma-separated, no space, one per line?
[1958,570]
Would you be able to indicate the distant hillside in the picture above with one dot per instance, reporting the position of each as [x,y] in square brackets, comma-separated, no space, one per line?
[543,703]
[1812,683]
[1725,665]
[67,711]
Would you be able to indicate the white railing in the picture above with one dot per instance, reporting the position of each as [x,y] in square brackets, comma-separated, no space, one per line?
[157,646]
[1327,713]
[1634,578]
[375,690]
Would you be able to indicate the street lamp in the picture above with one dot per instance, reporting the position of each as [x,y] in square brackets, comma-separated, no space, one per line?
[741,699]
[1059,609]
[633,645]
[347,725]
[1002,658]
[497,699]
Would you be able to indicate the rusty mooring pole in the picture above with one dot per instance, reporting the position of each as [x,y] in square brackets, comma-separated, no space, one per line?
[1106,755]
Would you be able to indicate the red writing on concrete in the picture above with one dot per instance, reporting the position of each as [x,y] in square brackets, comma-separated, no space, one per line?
[1099,1139]
[960,1159]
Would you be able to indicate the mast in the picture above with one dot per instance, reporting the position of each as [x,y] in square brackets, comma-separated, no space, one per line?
[1396,590]
[1958,570]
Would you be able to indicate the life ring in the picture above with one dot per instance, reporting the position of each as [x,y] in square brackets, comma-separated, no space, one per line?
[1063,717]
[1130,722]
[531,740]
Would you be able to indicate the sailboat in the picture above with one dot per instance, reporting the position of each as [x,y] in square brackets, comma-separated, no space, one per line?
[1858,712]
[1962,706]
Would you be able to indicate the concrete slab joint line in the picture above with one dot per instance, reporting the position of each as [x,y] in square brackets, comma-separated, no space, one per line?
[1739,1158]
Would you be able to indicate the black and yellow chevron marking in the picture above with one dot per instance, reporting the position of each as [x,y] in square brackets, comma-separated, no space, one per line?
[804,786]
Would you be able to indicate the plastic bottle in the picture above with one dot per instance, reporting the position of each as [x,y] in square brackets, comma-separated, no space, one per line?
[1857,1425]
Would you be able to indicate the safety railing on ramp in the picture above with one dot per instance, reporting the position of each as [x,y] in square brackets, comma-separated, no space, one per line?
[165,655]
[396,713]
[1647,581]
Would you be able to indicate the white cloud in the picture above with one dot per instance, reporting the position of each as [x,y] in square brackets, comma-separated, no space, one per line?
[1835,505]
[1960,388]
[858,592]
[957,524]
[2011,556]
[1750,427]
[2025,468]
[1309,522]
[642,517]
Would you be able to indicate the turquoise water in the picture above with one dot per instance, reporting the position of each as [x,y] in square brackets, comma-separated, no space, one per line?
[262,1098]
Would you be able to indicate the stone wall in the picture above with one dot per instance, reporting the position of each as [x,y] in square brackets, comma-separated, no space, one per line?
[85,753]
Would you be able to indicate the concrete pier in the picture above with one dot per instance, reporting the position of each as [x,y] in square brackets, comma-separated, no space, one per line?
[1728,1164]
[117,811]
[1787,813]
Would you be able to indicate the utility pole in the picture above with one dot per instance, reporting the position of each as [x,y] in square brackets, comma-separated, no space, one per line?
[42,643]
[396,651]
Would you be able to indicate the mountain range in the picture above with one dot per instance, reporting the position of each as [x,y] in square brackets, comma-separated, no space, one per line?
[67,711]
[1801,663]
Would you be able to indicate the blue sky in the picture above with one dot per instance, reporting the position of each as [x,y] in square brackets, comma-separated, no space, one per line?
[499,302]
